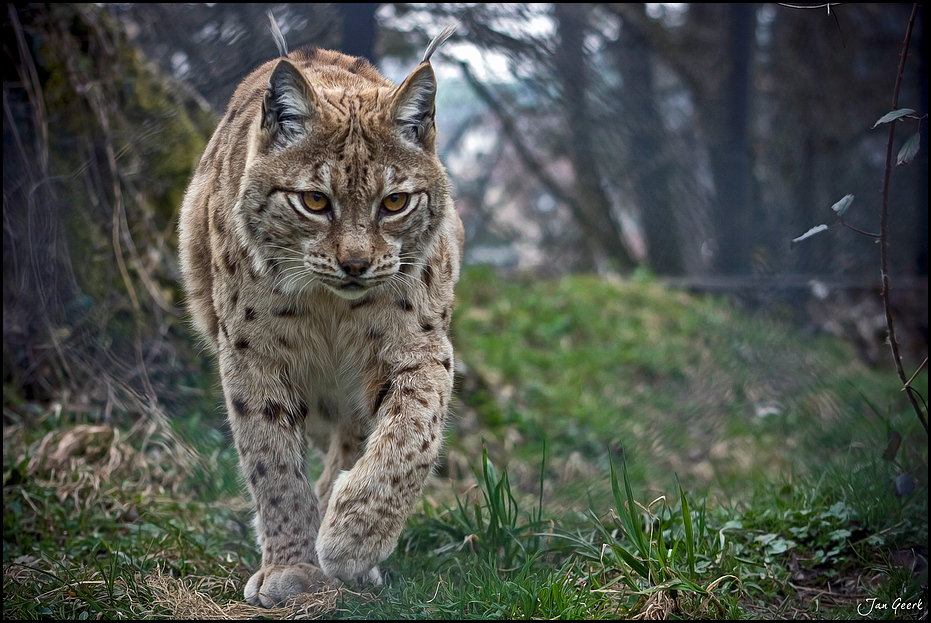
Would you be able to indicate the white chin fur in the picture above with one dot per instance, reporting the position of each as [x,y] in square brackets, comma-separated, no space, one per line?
[350,294]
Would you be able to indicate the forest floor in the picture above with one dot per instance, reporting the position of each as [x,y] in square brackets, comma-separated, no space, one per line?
[618,449]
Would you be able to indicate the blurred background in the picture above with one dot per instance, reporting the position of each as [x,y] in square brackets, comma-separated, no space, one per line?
[690,142]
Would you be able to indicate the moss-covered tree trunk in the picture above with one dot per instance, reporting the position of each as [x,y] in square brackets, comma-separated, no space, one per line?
[98,148]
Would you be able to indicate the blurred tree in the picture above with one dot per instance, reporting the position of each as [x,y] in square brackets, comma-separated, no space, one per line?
[716,132]
[213,47]
[727,119]
[647,156]
[711,52]
[593,210]
[824,81]
[358,29]
[98,147]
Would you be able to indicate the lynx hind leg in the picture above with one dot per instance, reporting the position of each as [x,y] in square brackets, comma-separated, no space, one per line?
[273,585]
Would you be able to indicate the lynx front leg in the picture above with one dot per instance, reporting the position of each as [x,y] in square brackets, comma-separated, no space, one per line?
[268,428]
[370,503]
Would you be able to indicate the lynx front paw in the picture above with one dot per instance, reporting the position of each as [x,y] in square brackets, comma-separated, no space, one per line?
[346,556]
[272,585]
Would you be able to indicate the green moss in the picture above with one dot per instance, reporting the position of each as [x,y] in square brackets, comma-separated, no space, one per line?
[156,137]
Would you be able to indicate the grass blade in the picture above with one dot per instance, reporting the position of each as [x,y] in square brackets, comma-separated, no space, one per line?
[687,524]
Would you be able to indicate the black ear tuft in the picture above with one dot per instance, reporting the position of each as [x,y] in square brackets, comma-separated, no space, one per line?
[289,104]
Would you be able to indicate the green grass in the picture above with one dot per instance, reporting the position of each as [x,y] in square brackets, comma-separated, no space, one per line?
[619,450]
[676,382]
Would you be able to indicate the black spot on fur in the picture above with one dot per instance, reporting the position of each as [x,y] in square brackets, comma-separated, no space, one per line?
[219,222]
[272,411]
[405,305]
[382,393]
[240,408]
[326,412]
[229,262]
[359,65]
[250,313]
[296,415]
[241,344]
[407,369]
[365,300]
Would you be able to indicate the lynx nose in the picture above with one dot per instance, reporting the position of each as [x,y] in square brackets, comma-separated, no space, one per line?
[354,267]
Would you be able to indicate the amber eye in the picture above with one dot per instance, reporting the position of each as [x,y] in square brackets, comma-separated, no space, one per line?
[315,201]
[395,202]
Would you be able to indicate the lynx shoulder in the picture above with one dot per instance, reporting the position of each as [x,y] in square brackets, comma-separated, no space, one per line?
[319,247]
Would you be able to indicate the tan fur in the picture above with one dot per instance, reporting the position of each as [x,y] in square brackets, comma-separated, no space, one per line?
[331,329]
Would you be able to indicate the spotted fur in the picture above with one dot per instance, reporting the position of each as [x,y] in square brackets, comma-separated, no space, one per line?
[331,326]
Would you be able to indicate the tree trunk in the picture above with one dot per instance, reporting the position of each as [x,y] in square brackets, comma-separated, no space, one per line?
[648,158]
[592,212]
[359,29]
[728,126]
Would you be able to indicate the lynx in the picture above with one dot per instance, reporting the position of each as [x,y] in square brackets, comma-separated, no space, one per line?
[319,247]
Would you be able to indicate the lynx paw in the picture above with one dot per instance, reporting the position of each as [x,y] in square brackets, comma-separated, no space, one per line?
[351,558]
[373,578]
[272,585]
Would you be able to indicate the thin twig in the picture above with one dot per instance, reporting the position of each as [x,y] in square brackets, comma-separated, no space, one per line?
[859,231]
[920,368]
[883,220]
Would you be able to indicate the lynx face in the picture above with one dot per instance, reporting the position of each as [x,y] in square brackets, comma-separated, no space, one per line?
[343,209]
[319,246]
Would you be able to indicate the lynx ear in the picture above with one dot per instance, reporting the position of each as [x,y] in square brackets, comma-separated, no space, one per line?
[289,105]
[413,107]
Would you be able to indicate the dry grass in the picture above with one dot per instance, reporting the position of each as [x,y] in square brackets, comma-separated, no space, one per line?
[192,598]
[95,469]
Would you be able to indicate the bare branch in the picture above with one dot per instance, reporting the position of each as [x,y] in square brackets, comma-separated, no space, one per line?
[883,225]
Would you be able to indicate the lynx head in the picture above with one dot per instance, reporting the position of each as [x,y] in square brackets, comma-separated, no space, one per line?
[343,186]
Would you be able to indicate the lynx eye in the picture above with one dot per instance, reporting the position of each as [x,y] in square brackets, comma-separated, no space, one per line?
[395,202]
[315,201]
